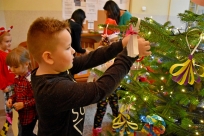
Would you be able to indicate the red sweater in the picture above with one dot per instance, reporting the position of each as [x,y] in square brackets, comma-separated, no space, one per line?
[110,22]
[6,77]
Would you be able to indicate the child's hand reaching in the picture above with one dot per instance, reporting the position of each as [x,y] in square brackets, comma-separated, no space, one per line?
[143,47]
[18,105]
[9,103]
[104,40]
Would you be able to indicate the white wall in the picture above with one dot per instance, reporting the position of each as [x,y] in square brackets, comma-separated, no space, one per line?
[160,10]
[175,8]
[21,13]
[2,17]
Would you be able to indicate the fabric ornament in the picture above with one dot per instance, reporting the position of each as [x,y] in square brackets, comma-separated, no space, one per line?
[154,126]
[122,123]
[185,74]
[132,46]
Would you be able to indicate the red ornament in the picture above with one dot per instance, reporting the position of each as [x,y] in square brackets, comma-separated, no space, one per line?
[149,69]
[140,59]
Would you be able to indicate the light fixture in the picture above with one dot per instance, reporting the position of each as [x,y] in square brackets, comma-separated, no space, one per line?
[144,8]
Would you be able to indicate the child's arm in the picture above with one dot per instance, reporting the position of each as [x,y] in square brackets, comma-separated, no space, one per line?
[18,105]
[67,94]
[6,90]
[12,88]
[63,94]
[28,102]
[9,103]
[12,98]
[9,88]
[25,104]
[98,56]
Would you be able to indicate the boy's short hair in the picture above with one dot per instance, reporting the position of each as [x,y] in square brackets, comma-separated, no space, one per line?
[42,34]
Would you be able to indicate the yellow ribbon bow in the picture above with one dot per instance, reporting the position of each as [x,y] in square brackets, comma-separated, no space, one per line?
[186,73]
[122,124]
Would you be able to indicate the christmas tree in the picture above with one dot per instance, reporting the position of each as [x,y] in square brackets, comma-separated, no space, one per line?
[169,84]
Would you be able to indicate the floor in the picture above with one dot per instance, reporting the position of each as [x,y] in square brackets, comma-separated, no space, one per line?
[90,111]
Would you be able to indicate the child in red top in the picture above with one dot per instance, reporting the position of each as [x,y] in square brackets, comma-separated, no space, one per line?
[6,77]
[109,33]
[111,22]
[22,100]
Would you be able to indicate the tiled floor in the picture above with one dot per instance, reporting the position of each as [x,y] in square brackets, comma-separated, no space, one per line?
[90,111]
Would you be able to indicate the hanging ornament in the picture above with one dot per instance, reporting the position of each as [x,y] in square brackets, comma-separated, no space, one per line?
[122,123]
[132,46]
[155,125]
[185,74]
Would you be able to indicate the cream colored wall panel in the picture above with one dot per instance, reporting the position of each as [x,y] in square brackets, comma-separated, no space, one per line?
[33,5]
[153,7]
[2,17]
[1,5]
[21,20]
[160,10]
[157,9]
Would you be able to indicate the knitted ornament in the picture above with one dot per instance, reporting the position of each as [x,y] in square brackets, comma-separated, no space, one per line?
[3,30]
[154,125]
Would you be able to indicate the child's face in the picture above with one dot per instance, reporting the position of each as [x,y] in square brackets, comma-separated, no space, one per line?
[5,43]
[21,70]
[63,55]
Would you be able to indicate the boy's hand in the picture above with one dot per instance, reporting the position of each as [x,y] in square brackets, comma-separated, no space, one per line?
[6,90]
[18,105]
[9,103]
[143,47]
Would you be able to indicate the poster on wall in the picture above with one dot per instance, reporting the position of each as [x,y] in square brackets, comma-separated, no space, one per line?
[79,2]
[91,7]
[101,3]
[68,7]
[123,4]
[91,10]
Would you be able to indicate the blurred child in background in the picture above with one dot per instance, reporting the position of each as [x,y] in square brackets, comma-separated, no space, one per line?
[6,76]
[22,100]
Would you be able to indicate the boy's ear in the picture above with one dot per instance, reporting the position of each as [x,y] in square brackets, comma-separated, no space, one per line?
[47,57]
